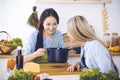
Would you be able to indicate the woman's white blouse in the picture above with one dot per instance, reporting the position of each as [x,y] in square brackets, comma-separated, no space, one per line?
[97,56]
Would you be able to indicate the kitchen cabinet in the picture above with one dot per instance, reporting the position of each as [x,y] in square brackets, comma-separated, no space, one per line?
[73,1]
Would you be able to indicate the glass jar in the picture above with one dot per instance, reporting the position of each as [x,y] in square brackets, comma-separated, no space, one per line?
[106,39]
[114,39]
[119,40]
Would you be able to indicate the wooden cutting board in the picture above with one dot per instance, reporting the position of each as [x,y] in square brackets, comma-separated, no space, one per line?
[56,69]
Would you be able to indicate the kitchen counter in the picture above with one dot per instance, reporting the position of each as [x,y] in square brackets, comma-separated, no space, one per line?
[72,55]
[115,53]
[111,52]
[6,56]
[56,69]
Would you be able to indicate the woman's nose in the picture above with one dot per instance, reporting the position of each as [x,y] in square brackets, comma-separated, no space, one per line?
[51,26]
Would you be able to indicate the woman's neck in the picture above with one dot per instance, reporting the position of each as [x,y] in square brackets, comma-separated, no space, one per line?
[83,43]
[46,34]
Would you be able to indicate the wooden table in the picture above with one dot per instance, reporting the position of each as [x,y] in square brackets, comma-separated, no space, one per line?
[56,69]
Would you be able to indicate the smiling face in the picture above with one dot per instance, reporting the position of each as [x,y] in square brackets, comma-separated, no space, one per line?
[50,25]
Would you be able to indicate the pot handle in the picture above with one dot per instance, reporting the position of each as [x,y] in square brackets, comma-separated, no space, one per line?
[77,49]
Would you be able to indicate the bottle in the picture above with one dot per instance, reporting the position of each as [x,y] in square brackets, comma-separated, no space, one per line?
[19,59]
[106,39]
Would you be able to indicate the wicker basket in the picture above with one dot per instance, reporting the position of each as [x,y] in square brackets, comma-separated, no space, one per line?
[8,37]
[4,39]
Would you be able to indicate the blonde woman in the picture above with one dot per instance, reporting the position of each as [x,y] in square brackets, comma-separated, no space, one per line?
[93,52]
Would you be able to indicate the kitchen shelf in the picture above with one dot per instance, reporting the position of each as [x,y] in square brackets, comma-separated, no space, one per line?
[73,1]
[115,53]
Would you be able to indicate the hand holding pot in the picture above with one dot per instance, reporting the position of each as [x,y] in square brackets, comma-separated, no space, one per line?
[40,52]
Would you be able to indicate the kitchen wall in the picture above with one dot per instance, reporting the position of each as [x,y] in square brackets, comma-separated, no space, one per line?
[14,15]
[0,11]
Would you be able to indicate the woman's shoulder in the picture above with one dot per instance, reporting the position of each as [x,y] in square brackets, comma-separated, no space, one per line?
[35,31]
[58,32]
[33,34]
[93,43]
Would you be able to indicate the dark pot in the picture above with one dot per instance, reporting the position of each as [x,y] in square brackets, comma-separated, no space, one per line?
[57,55]
[77,49]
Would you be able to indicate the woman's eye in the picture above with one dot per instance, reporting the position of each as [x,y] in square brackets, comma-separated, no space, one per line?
[48,24]
[55,24]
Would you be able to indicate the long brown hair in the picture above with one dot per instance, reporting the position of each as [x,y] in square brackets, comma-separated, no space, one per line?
[46,13]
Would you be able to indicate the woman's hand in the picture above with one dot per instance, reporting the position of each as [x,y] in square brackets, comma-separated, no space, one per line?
[37,53]
[71,52]
[72,67]
[40,52]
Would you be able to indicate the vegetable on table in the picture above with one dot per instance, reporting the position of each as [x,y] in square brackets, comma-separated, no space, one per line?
[11,64]
[13,43]
[95,74]
[21,75]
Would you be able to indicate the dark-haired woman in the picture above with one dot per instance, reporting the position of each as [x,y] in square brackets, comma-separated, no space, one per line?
[46,37]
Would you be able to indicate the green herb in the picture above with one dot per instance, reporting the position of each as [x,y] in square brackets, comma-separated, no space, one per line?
[42,59]
[33,19]
[96,75]
[15,42]
[21,75]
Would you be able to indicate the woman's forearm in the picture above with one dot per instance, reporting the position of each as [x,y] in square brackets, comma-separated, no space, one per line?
[38,53]
[28,58]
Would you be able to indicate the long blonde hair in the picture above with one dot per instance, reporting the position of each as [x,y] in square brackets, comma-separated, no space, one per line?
[80,29]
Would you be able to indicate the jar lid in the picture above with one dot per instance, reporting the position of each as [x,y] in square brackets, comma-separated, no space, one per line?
[107,34]
[114,33]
